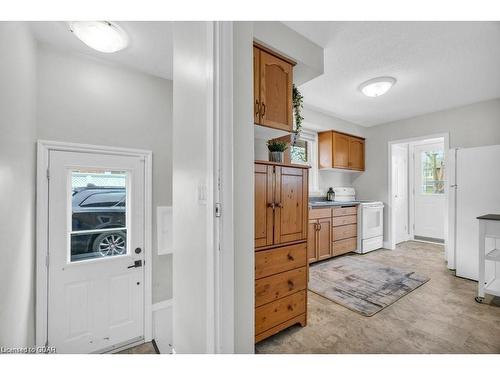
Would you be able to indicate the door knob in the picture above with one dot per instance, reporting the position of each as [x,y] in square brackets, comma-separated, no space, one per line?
[138,250]
[137,263]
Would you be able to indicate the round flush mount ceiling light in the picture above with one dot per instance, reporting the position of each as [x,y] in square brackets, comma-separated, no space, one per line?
[377,86]
[103,36]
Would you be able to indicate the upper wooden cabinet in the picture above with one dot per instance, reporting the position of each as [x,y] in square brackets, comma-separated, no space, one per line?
[339,150]
[281,204]
[273,79]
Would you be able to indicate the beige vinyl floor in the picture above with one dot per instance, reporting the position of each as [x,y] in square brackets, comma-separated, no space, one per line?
[441,316]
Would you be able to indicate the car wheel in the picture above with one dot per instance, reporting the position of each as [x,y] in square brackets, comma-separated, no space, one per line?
[113,243]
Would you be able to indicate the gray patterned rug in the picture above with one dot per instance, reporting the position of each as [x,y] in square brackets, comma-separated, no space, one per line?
[360,284]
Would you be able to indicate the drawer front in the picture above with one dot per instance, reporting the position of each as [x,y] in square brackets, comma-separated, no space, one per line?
[344,246]
[319,213]
[269,262]
[345,211]
[344,220]
[274,313]
[281,285]
[345,231]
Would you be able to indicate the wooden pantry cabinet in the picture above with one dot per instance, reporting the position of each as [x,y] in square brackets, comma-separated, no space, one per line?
[281,266]
[340,150]
[272,81]
[332,232]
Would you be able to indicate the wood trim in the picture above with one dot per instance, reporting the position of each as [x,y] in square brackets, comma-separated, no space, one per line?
[282,164]
[274,246]
[274,53]
[343,133]
[256,85]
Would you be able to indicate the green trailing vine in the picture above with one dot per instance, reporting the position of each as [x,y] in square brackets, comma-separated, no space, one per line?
[298,104]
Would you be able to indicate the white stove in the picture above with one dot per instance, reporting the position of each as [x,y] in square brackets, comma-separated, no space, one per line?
[370,220]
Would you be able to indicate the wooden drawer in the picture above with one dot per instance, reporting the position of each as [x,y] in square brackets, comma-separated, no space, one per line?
[344,246]
[344,231]
[280,285]
[280,259]
[319,213]
[274,313]
[344,220]
[345,211]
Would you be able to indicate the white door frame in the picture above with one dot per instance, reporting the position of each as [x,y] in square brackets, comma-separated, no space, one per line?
[409,229]
[391,240]
[42,227]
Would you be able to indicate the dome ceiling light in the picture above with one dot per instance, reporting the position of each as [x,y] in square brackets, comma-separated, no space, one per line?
[377,86]
[103,36]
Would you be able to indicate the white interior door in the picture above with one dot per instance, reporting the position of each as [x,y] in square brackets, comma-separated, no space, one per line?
[96,237]
[429,190]
[400,191]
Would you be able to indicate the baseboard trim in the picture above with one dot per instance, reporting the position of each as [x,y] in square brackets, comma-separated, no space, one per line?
[429,239]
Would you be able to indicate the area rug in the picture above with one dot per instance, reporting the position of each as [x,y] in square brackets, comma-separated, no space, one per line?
[360,284]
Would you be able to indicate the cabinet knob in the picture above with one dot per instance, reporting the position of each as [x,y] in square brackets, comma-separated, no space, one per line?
[263,109]
[290,307]
[290,257]
[290,284]
[257,108]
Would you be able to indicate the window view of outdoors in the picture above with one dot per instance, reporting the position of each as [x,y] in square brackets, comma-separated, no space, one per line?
[432,172]
[98,225]
[299,152]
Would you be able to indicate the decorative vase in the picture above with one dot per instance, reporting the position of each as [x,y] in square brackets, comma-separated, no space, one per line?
[276,156]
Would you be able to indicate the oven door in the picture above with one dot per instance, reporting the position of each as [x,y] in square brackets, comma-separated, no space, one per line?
[373,221]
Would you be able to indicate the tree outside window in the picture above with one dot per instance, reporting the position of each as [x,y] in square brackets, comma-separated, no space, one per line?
[299,152]
[432,172]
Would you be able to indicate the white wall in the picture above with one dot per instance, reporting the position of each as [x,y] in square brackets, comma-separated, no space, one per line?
[243,151]
[17,184]
[193,218]
[85,100]
[472,125]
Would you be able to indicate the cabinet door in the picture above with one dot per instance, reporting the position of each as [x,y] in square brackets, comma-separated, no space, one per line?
[356,154]
[325,151]
[275,92]
[263,210]
[291,197]
[324,238]
[256,85]
[312,254]
[340,150]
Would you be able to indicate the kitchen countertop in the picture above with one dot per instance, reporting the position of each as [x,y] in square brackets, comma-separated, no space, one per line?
[319,204]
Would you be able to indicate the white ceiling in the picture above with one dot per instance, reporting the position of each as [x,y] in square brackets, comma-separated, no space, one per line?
[150,48]
[438,65]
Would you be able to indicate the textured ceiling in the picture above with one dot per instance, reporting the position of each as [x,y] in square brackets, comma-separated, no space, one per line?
[438,65]
[150,48]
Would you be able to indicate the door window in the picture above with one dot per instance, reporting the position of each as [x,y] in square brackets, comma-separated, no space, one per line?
[98,214]
[432,169]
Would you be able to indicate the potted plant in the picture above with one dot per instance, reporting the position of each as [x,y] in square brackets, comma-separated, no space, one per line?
[276,150]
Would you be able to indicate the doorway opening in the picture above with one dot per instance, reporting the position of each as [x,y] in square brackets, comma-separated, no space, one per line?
[418,190]
[93,247]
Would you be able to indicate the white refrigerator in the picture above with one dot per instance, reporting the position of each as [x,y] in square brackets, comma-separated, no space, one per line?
[475,190]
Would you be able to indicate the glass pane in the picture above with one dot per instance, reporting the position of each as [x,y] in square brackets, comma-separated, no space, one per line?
[432,172]
[99,214]
[299,152]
